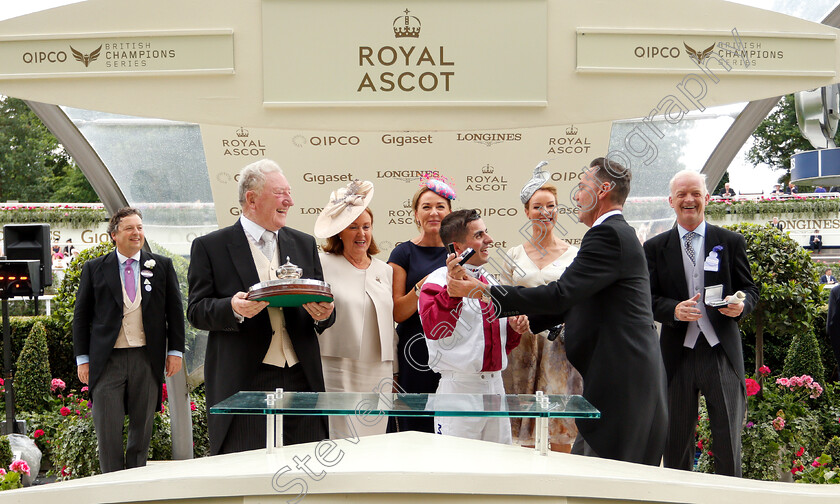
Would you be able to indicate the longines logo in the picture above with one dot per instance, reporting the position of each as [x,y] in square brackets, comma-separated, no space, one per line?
[488,139]
[407,74]
[243,145]
[404,175]
[121,55]
[326,141]
[86,58]
[569,144]
[487,181]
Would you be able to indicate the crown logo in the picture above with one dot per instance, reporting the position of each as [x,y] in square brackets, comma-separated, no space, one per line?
[410,26]
[571,130]
[242,133]
[407,203]
[487,169]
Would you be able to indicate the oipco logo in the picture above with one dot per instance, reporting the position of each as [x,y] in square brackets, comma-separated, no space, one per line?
[497,212]
[326,141]
[650,52]
[568,176]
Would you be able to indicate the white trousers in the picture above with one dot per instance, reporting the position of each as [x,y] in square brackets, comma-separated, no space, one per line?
[495,429]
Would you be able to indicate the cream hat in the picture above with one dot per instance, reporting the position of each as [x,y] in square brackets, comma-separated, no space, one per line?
[539,178]
[346,205]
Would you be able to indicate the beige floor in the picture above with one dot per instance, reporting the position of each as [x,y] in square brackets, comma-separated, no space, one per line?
[413,467]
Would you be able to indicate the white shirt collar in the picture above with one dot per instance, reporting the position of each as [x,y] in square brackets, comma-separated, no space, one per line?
[253,229]
[123,258]
[700,230]
[600,220]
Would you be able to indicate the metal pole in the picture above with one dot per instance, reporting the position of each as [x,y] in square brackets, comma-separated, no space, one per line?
[9,426]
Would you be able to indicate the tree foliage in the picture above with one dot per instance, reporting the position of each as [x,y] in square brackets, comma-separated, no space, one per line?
[804,358]
[34,167]
[32,380]
[789,296]
[778,138]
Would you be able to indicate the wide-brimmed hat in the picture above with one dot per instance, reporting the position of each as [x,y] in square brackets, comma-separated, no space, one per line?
[538,179]
[346,205]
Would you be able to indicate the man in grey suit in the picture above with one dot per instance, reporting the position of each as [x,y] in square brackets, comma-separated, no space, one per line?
[701,344]
[128,328]
[604,299]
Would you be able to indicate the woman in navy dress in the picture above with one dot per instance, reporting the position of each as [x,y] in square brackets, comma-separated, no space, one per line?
[412,262]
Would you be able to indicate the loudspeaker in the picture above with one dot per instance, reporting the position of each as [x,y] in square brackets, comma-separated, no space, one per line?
[30,242]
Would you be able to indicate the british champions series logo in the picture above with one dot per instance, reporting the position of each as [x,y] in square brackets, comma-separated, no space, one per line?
[86,58]
[409,69]
[699,56]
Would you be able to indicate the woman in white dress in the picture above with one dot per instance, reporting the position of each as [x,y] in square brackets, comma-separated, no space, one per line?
[357,352]
[539,364]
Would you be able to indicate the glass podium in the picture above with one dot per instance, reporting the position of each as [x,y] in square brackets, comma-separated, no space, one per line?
[276,404]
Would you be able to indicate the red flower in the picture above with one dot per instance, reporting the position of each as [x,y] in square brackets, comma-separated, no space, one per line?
[801,451]
[38,433]
[65,471]
[764,370]
[752,387]
[192,406]
[64,411]
[165,394]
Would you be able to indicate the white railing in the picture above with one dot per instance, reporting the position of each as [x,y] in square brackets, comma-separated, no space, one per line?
[47,299]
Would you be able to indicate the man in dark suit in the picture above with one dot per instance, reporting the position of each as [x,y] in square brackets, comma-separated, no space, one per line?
[832,325]
[604,299]
[816,241]
[828,278]
[250,346]
[128,327]
[727,192]
[701,345]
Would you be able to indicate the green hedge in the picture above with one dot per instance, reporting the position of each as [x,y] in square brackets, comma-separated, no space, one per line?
[32,379]
[59,346]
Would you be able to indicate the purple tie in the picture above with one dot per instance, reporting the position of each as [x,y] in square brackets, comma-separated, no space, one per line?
[129,280]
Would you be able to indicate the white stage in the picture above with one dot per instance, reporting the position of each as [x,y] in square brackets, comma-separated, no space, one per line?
[413,467]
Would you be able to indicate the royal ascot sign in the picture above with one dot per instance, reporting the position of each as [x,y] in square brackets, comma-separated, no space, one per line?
[682,52]
[436,52]
[111,54]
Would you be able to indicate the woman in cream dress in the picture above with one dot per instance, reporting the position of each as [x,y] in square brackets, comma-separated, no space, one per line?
[357,352]
[539,364]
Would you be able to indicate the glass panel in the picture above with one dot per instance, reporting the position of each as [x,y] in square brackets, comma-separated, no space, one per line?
[685,145]
[375,404]
[160,167]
